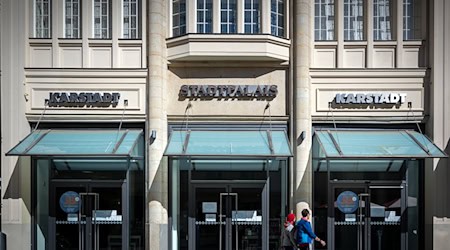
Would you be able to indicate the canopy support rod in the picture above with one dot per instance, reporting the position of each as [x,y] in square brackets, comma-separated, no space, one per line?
[125,104]
[186,141]
[418,143]
[336,145]
[269,138]
[35,142]
[119,142]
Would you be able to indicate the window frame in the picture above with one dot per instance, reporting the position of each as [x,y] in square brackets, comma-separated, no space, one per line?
[254,25]
[108,22]
[330,33]
[202,26]
[277,29]
[41,32]
[411,20]
[180,29]
[229,13]
[380,32]
[137,16]
[72,36]
[355,28]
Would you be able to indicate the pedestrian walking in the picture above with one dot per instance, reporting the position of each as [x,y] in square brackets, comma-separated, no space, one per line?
[288,241]
[305,234]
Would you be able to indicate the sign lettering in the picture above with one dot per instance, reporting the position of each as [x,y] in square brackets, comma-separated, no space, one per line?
[57,99]
[372,98]
[229,91]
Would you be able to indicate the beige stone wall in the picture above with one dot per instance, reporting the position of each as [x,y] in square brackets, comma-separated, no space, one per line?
[326,84]
[437,173]
[85,52]
[15,172]
[130,84]
[178,76]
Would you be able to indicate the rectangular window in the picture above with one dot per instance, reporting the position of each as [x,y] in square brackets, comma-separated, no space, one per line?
[72,19]
[131,19]
[178,17]
[102,19]
[382,16]
[228,13]
[353,20]
[251,16]
[411,19]
[277,18]
[204,16]
[324,20]
[42,19]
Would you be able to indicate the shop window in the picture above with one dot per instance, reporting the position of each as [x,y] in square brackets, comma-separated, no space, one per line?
[102,19]
[353,20]
[277,14]
[204,16]
[382,17]
[131,19]
[179,17]
[72,19]
[411,19]
[206,182]
[42,19]
[324,20]
[252,16]
[228,11]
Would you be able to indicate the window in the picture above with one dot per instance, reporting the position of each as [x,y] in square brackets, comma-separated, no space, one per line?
[72,19]
[179,17]
[228,16]
[204,16]
[382,16]
[42,19]
[277,17]
[251,16]
[353,20]
[324,20]
[102,19]
[411,19]
[131,19]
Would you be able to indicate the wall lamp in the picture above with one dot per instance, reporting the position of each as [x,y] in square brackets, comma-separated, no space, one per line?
[152,136]
[301,138]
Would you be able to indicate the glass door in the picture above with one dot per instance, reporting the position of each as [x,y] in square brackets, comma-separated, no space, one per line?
[367,216]
[387,207]
[350,214]
[86,215]
[228,217]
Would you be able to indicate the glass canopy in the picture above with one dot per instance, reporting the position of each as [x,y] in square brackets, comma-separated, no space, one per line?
[374,144]
[228,143]
[95,142]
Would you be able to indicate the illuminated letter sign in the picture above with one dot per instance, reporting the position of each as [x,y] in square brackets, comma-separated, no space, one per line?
[377,98]
[228,91]
[57,99]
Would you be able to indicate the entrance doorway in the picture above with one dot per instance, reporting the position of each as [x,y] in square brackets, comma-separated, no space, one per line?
[368,216]
[87,215]
[228,216]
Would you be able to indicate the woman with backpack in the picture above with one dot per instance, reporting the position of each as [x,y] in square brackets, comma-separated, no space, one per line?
[288,241]
[305,235]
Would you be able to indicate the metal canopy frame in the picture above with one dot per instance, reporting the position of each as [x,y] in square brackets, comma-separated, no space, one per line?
[185,144]
[95,155]
[345,156]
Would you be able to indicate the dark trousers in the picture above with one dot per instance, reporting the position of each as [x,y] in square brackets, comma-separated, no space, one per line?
[288,248]
[303,247]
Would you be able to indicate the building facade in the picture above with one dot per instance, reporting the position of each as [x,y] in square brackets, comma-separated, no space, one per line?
[182,124]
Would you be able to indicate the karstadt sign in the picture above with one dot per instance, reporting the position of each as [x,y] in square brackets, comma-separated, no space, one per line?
[88,99]
[370,98]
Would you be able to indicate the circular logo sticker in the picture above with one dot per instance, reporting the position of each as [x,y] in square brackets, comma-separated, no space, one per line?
[347,202]
[70,202]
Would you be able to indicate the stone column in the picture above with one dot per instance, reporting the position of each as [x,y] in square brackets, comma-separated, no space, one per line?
[302,45]
[156,167]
